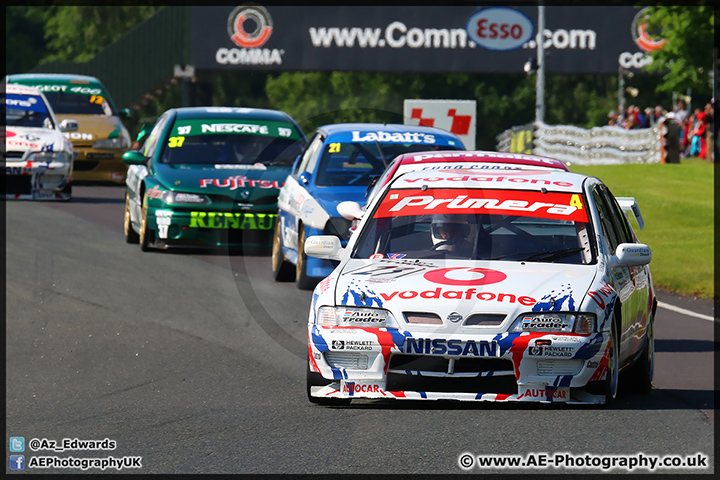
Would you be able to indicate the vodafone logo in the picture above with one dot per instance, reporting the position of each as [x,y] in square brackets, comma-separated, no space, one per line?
[464,276]
[250,26]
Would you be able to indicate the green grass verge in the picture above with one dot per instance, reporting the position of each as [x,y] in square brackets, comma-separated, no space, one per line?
[677,204]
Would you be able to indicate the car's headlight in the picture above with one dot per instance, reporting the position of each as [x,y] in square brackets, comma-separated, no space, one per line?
[118,142]
[552,322]
[173,198]
[61,156]
[352,317]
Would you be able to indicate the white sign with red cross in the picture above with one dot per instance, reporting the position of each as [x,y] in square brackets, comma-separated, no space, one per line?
[455,116]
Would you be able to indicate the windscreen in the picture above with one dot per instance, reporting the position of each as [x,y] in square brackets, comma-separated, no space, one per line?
[478,224]
[22,110]
[355,159]
[69,99]
[232,142]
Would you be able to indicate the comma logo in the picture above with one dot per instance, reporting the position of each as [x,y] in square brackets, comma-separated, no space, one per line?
[640,34]
[250,26]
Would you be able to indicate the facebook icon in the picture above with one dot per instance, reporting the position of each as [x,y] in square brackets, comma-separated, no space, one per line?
[17,462]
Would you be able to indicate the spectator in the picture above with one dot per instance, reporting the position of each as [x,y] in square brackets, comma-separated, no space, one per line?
[647,120]
[700,135]
[686,135]
[621,113]
[681,113]
[613,118]
[629,122]
[658,113]
[710,140]
[671,138]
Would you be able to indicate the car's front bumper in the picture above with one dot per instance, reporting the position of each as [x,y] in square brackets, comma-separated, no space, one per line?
[209,229]
[37,180]
[99,165]
[391,364]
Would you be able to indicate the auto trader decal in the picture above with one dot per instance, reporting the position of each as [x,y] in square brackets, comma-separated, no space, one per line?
[561,206]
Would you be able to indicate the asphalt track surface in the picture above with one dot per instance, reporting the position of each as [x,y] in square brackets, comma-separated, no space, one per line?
[196,363]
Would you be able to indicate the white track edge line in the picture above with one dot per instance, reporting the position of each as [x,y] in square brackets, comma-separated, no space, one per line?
[685,312]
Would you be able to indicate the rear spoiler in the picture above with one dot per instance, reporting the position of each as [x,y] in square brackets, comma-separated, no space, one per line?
[629,205]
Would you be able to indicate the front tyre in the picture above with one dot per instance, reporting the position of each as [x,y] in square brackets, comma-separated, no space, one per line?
[145,231]
[610,384]
[316,380]
[68,192]
[281,269]
[131,235]
[303,281]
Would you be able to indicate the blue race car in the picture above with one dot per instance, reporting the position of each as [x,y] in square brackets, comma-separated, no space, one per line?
[338,164]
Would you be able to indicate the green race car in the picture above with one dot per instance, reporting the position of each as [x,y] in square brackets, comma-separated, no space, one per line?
[209,177]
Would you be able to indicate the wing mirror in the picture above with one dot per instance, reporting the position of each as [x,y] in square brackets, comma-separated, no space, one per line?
[133,157]
[326,247]
[68,125]
[632,254]
[305,178]
[350,210]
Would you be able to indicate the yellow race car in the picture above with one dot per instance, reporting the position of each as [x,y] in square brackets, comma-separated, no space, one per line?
[101,138]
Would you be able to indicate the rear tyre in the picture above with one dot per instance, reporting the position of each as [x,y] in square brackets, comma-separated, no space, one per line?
[610,384]
[131,235]
[282,270]
[640,375]
[316,380]
[304,282]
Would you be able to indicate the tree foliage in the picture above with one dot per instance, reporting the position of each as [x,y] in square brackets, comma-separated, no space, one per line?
[77,33]
[24,34]
[686,59]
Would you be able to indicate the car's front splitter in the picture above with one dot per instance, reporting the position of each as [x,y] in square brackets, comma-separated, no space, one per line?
[530,393]
[33,180]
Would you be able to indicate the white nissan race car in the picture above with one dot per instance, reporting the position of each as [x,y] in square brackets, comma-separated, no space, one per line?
[38,158]
[524,285]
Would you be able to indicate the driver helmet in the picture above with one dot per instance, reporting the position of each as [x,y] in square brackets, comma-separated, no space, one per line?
[449,228]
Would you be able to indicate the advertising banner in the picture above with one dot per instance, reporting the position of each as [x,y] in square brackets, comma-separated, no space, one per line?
[577,39]
[454,116]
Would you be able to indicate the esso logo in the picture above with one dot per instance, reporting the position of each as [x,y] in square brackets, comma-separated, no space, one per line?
[464,276]
[500,28]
